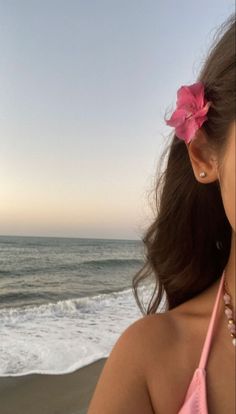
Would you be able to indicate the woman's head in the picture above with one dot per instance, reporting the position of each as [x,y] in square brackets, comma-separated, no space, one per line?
[188,242]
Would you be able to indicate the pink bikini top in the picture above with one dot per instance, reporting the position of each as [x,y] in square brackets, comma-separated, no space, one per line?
[195,401]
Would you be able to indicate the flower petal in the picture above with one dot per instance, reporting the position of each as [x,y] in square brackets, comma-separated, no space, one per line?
[177,118]
[187,130]
[203,111]
[185,98]
[191,110]
[191,96]
[197,89]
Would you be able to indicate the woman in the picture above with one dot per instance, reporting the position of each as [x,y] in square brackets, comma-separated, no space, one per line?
[183,360]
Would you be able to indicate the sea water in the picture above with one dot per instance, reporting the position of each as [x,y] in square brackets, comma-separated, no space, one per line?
[64,301]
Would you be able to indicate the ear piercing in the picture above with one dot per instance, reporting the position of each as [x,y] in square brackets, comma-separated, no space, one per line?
[202,174]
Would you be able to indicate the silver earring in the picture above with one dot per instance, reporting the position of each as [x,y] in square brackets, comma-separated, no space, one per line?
[202,174]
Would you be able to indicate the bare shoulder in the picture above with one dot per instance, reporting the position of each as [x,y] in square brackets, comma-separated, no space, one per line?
[122,385]
[150,336]
[149,359]
[146,361]
[175,340]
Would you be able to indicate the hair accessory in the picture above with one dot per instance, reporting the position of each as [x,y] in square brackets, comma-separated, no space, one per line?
[202,174]
[191,110]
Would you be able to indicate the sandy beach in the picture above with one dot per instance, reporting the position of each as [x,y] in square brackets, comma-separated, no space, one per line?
[50,394]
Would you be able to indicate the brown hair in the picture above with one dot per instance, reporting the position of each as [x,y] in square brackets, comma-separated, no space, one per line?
[187,246]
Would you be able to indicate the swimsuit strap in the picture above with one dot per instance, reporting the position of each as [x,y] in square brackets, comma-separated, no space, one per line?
[210,330]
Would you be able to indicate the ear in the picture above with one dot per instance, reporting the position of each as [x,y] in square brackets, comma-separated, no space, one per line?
[202,158]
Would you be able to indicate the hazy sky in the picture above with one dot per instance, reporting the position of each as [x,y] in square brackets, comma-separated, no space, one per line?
[84,86]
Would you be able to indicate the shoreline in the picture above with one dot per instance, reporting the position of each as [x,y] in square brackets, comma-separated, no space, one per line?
[50,394]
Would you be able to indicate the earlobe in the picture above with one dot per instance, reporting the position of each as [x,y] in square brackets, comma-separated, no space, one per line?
[203,164]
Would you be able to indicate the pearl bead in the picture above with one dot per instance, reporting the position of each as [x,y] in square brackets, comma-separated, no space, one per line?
[226,298]
[234,341]
[228,312]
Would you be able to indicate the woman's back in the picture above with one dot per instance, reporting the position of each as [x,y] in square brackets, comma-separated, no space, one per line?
[159,354]
[188,328]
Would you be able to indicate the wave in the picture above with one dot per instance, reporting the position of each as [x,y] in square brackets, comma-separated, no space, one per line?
[5,272]
[91,264]
[11,297]
[112,262]
[57,338]
[64,307]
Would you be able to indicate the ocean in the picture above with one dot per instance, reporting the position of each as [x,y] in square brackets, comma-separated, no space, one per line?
[64,301]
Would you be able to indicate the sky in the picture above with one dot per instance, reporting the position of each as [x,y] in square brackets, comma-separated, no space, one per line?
[84,87]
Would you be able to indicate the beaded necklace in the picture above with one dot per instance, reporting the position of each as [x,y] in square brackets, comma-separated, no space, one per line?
[229,312]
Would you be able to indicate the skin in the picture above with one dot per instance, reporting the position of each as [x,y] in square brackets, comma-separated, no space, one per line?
[203,159]
[151,365]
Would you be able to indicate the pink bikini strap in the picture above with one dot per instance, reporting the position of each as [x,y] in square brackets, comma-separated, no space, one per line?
[211,325]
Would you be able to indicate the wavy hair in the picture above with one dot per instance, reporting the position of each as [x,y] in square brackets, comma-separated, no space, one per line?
[187,245]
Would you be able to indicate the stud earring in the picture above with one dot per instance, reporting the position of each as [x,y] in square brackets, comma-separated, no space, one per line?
[202,174]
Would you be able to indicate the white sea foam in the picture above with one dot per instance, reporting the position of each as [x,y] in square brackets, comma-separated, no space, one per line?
[59,338]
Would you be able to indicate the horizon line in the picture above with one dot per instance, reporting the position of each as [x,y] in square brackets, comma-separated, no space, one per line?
[67,237]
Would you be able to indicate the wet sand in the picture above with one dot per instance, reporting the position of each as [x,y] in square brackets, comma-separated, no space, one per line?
[50,394]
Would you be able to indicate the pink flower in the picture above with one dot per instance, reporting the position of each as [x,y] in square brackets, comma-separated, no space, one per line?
[191,111]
